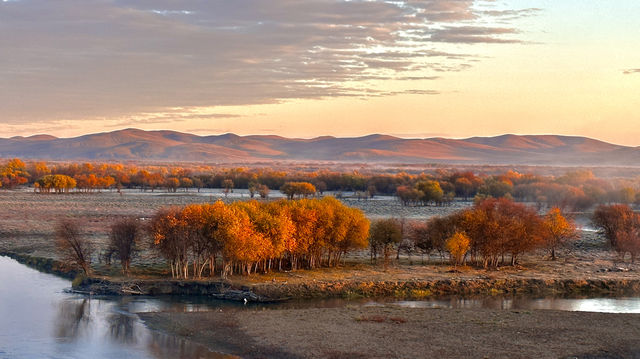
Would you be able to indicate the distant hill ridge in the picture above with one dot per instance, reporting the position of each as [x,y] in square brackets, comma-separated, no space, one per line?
[135,144]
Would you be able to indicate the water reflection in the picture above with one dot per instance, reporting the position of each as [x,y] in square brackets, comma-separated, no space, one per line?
[73,318]
[39,320]
[603,305]
[122,328]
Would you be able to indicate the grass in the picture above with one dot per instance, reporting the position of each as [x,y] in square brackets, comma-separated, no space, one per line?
[27,229]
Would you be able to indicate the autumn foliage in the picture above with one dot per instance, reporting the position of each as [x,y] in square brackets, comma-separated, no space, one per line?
[557,231]
[499,231]
[621,226]
[458,246]
[246,237]
[13,173]
[574,190]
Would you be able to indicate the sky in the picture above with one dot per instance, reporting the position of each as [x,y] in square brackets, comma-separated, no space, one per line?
[307,68]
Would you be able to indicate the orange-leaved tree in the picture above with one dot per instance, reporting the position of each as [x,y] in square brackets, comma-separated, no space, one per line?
[557,231]
[458,245]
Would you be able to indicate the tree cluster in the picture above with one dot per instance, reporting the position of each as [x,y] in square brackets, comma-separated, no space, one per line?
[298,189]
[498,231]
[55,183]
[252,236]
[13,174]
[424,193]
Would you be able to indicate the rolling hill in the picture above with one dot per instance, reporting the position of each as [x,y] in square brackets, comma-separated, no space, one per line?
[134,144]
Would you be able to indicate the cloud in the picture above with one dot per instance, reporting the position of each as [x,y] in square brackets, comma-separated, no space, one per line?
[631,71]
[473,34]
[79,59]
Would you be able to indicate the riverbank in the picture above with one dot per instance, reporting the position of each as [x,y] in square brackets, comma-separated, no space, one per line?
[239,290]
[43,264]
[394,332]
[587,267]
[366,281]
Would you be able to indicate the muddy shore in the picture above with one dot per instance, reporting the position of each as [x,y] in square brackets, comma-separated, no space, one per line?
[395,332]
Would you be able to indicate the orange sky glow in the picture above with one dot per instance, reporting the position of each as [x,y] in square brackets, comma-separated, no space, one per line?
[430,68]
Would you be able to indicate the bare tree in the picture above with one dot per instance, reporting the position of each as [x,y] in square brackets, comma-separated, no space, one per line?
[72,245]
[122,241]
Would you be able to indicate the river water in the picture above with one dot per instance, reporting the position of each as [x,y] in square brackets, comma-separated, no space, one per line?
[38,319]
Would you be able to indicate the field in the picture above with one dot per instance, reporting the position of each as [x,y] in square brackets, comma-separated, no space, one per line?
[27,223]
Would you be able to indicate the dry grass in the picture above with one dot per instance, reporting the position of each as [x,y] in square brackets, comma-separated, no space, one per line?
[27,222]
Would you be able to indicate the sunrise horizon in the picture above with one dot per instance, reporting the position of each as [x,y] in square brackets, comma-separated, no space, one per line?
[453,69]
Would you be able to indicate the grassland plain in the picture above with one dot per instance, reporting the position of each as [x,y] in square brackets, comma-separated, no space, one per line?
[26,229]
[28,221]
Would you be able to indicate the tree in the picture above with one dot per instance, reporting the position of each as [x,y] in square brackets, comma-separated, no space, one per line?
[628,240]
[123,238]
[464,187]
[13,173]
[500,227]
[557,231]
[253,188]
[186,183]
[458,246]
[621,226]
[494,187]
[420,239]
[408,195]
[613,220]
[57,183]
[431,192]
[433,234]
[73,246]
[172,184]
[228,186]
[300,189]
[263,190]
[384,235]
[166,232]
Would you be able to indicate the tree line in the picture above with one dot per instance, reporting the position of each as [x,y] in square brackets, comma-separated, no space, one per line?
[574,190]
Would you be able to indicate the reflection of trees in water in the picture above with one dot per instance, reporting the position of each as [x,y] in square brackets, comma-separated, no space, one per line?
[122,328]
[163,346]
[73,319]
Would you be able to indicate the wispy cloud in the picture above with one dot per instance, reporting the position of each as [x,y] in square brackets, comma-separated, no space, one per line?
[79,59]
[631,71]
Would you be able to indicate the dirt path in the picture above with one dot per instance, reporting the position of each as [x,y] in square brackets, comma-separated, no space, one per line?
[394,332]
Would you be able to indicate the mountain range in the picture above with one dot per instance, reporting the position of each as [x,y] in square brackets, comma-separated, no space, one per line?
[140,145]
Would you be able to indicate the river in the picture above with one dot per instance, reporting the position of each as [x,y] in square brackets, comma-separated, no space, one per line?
[38,319]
